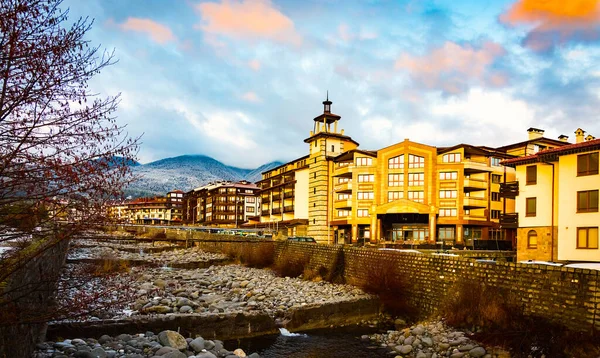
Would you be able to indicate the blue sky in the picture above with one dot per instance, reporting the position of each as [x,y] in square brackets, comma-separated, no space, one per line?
[241,80]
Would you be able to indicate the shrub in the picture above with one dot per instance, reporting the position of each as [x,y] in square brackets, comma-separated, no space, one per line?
[160,235]
[287,265]
[385,280]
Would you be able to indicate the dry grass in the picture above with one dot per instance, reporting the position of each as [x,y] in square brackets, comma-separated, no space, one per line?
[385,279]
[110,265]
[287,265]
[251,254]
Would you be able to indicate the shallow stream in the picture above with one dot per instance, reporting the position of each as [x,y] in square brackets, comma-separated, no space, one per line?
[323,343]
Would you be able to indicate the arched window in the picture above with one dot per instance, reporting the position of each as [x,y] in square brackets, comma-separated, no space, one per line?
[396,162]
[532,239]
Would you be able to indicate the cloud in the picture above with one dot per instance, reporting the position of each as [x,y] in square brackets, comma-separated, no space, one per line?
[555,22]
[247,20]
[254,64]
[452,68]
[251,97]
[159,33]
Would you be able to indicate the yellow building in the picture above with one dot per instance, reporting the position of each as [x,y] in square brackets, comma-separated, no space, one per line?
[405,194]
[557,202]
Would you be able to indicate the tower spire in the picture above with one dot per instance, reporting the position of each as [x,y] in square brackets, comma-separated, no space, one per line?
[327,104]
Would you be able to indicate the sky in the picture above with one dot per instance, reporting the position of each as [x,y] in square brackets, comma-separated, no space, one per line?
[242,80]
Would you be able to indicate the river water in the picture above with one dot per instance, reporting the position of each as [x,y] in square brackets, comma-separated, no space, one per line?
[325,343]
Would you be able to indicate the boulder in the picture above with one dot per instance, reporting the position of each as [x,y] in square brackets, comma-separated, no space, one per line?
[172,339]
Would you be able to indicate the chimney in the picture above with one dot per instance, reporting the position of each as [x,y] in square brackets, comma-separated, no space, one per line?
[579,135]
[535,133]
[589,137]
[563,138]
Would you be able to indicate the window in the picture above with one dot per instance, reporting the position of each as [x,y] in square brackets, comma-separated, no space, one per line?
[448,175]
[362,213]
[496,178]
[364,161]
[531,204]
[251,199]
[416,179]
[531,175]
[587,164]
[532,239]
[587,237]
[366,178]
[495,214]
[333,148]
[446,233]
[495,196]
[414,161]
[447,212]
[344,196]
[343,213]
[222,190]
[249,209]
[395,195]
[314,190]
[416,196]
[343,180]
[447,194]
[343,164]
[587,201]
[451,158]
[495,162]
[396,179]
[365,195]
[396,162]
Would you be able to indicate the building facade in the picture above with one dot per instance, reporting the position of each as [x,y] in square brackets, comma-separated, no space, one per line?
[406,194]
[557,202]
[165,210]
[222,204]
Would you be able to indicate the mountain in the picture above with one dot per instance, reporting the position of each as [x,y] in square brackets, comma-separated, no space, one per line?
[187,172]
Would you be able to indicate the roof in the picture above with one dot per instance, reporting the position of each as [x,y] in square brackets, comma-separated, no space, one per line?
[541,140]
[472,149]
[349,155]
[288,163]
[330,134]
[550,154]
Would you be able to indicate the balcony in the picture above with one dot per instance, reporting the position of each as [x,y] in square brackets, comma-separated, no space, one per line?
[276,196]
[343,172]
[288,209]
[288,194]
[276,210]
[470,202]
[343,188]
[474,185]
[509,221]
[342,204]
[509,189]
[472,167]
[265,212]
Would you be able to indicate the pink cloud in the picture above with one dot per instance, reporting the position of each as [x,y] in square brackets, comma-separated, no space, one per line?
[247,19]
[251,97]
[555,22]
[254,64]
[159,33]
[453,67]
[344,33]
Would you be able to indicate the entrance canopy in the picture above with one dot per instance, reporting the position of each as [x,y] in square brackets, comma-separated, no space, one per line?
[404,206]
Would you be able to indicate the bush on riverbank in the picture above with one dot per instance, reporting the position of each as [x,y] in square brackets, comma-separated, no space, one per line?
[257,255]
[498,318]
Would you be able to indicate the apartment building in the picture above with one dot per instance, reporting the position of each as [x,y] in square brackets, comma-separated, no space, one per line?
[157,210]
[222,204]
[557,202]
[408,193]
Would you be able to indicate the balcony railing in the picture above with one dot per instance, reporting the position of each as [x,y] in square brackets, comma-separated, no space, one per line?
[288,209]
[276,210]
[476,167]
[276,197]
[474,202]
[345,171]
[289,194]
[509,189]
[474,184]
[509,221]
[343,188]
[265,212]
[342,204]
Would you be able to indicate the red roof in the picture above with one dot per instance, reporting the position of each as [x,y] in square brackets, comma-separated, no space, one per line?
[579,147]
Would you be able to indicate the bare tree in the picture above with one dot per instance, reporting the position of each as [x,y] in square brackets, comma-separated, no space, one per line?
[63,156]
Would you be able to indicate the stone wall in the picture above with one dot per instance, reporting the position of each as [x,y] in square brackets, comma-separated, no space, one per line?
[562,295]
[30,292]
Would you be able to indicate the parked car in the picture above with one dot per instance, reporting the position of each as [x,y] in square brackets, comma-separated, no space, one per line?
[302,239]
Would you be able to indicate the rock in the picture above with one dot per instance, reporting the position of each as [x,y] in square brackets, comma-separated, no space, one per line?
[418,330]
[409,340]
[83,354]
[185,309]
[165,350]
[427,341]
[104,339]
[240,353]
[399,323]
[174,354]
[405,349]
[205,355]
[99,353]
[197,344]
[209,345]
[477,352]
[172,339]
[254,355]
[158,309]
[123,337]
[421,355]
